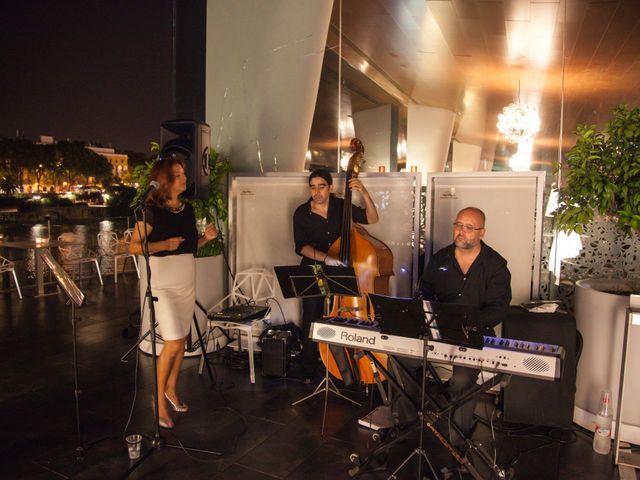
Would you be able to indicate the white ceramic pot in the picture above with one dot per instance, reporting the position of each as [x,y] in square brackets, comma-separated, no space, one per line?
[600,311]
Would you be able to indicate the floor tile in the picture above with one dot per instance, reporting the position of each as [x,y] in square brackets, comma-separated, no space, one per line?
[260,434]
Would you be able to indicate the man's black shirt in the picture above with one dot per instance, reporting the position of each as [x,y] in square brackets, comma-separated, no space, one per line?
[311,229]
[486,285]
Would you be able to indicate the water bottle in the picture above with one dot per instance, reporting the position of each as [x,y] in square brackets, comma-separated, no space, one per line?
[604,419]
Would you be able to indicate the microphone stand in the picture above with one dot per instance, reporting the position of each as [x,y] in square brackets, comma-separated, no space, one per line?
[158,442]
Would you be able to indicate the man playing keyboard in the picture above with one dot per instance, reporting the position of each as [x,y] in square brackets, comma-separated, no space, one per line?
[468,272]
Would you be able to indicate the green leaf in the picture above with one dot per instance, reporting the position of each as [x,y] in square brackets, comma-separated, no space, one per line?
[602,172]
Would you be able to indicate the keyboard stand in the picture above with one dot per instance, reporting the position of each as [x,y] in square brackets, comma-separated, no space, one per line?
[432,412]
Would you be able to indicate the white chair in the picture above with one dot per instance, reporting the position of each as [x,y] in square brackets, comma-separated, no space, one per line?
[74,253]
[110,246]
[255,286]
[7,265]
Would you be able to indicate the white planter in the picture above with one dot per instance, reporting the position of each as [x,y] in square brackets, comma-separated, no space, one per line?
[600,318]
[209,289]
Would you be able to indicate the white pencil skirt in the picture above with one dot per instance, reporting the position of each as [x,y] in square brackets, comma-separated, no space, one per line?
[173,280]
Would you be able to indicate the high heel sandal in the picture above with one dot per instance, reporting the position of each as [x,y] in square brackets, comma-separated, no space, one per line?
[177,407]
[163,422]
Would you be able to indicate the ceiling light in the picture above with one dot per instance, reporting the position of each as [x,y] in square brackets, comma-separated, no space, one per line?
[521,160]
[518,122]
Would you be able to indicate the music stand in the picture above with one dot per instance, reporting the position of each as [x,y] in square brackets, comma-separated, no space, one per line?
[406,317]
[76,298]
[454,323]
[317,280]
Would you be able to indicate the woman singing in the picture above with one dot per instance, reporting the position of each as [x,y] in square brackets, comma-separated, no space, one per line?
[173,241]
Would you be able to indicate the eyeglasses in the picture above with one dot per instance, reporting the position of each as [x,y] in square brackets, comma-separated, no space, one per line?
[466,228]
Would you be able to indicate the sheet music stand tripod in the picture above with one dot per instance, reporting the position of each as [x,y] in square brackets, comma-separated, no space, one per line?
[411,313]
[76,298]
[314,281]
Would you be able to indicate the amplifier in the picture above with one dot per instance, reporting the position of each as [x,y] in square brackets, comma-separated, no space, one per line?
[276,353]
[535,402]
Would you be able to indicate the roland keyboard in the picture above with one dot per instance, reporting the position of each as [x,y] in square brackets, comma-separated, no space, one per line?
[502,355]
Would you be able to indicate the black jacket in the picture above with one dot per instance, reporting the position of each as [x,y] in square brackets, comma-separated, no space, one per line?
[486,285]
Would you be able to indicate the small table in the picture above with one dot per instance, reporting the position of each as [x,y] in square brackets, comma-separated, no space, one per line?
[36,246]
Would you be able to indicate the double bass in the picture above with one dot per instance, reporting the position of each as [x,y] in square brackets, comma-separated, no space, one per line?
[372,261]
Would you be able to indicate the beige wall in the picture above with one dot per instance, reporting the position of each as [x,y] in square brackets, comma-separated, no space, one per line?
[263,69]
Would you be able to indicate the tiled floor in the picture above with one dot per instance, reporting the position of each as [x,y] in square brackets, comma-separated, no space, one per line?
[258,432]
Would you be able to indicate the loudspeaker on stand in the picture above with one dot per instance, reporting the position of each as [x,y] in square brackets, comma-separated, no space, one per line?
[191,142]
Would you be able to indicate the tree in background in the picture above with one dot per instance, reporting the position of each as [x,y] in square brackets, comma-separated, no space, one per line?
[77,162]
[41,160]
[17,159]
[98,167]
[63,161]
[7,185]
[69,157]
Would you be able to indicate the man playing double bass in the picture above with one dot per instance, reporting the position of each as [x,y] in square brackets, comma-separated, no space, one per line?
[316,226]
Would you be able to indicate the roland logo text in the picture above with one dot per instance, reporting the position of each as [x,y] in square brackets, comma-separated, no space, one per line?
[355,338]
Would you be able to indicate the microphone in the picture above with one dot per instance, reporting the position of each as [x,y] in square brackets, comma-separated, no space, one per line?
[153,185]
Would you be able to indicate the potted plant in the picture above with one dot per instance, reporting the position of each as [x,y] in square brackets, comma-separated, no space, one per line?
[602,175]
[600,198]
[214,208]
[600,195]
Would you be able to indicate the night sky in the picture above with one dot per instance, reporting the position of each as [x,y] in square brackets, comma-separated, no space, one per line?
[98,71]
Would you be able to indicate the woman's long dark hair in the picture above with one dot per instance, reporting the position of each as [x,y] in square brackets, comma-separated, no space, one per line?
[162,172]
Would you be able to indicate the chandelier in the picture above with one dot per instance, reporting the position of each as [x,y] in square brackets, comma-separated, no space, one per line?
[518,122]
